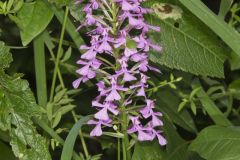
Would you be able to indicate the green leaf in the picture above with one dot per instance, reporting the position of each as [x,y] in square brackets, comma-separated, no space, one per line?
[234,61]
[213,111]
[33,18]
[76,10]
[67,55]
[147,151]
[228,34]
[17,108]
[218,143]
[188,44]
[57,119]
[224,7]
[168,103]
[71,138]
[5,56]
[60,3]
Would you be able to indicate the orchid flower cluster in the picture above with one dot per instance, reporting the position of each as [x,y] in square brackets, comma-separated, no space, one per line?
[118,54]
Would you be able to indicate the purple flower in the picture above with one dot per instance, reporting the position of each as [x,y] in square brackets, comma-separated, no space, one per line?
[103,113]
[97,131]
[122,84]
[143,134]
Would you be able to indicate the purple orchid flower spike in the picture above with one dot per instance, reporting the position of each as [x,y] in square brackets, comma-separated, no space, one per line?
[120,69]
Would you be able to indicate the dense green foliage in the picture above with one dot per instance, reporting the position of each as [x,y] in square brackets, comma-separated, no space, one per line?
[198,92]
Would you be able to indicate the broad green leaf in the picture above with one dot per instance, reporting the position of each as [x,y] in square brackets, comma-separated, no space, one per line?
[33,18]
[228,34]
[187,43]
[213,111]
[218,143]
[71,138]
[168,103]
[148,151]
[17,108]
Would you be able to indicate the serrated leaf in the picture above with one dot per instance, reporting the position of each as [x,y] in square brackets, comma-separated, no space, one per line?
[188,45]
[218,143]
[17,107]
[5,56]
[33,18]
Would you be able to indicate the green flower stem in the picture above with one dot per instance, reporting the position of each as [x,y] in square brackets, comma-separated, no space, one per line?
[58,54]
[125,141]
[119,148]
[40,70]
[124,125]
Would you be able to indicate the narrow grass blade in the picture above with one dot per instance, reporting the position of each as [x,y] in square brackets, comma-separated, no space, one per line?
[40,69]
[71,138]
[228,34]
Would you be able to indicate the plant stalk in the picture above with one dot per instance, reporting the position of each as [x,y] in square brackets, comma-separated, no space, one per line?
[58,54]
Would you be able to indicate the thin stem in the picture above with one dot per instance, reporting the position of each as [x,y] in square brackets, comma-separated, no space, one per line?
[73,113]
[125,140]
[81,137]
[119,148]
[58,54]
[70,28]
